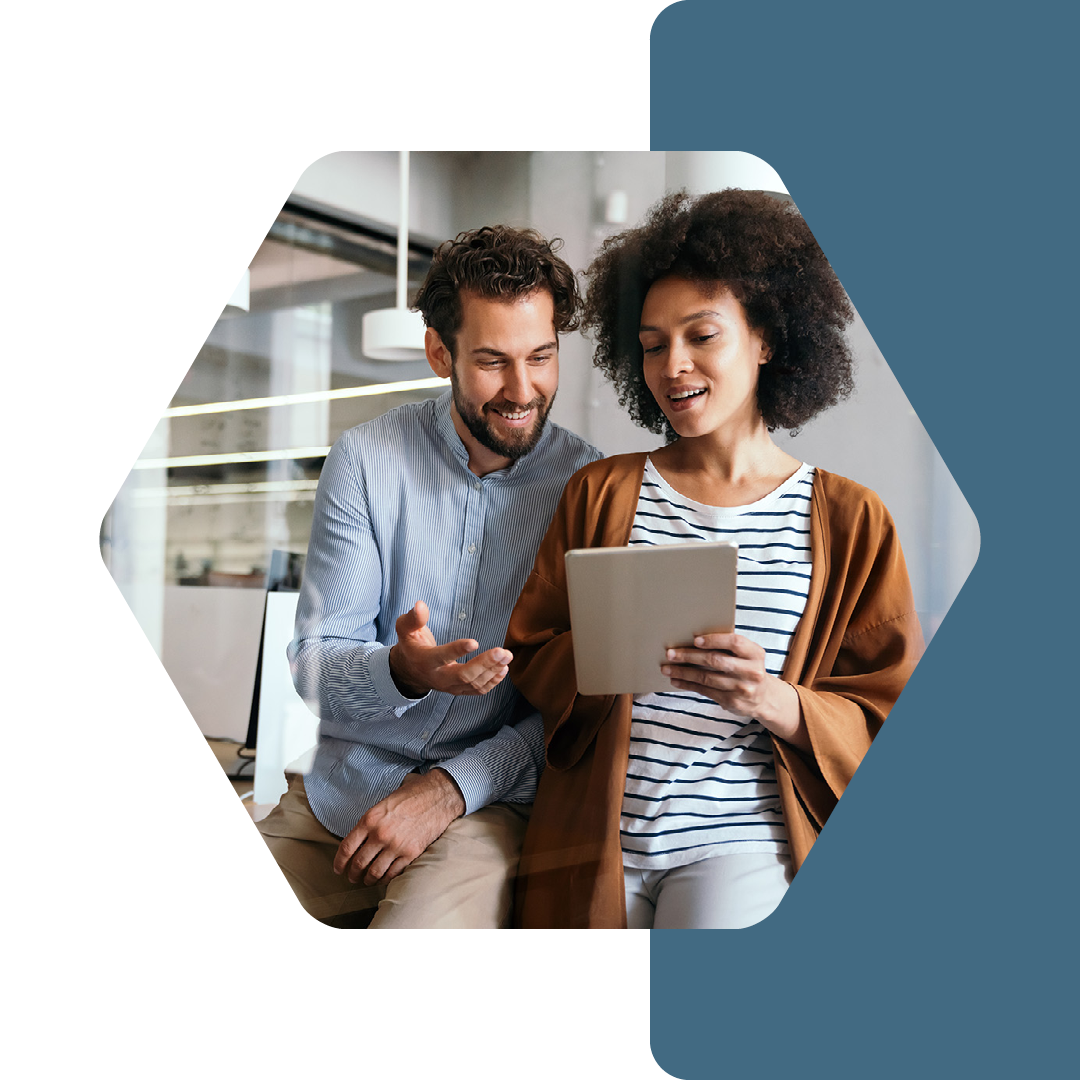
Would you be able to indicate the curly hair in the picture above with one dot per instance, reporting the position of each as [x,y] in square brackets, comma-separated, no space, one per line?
[761,250]
[499,263]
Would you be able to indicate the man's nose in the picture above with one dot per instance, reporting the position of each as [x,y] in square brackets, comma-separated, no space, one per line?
[518,386]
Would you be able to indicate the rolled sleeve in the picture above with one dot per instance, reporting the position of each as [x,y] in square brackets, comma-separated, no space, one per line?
[383,682]
[504,768]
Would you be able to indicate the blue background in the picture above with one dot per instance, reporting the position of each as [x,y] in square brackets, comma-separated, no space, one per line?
[930,932]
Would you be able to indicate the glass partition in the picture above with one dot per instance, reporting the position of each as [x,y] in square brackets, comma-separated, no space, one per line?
[230,472]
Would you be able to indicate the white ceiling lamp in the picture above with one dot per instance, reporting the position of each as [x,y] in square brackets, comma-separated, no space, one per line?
[397,333]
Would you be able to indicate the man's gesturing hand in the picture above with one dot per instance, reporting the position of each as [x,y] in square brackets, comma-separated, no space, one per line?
[400,828]
[419,664]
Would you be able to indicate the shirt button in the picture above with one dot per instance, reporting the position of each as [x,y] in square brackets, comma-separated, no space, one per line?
[472,548]
[461,615]
[424,734]
[477,486]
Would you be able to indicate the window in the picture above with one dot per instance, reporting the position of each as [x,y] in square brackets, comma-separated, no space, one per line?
[231,471]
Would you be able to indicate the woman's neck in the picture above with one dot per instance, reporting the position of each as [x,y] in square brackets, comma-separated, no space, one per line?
[720,472]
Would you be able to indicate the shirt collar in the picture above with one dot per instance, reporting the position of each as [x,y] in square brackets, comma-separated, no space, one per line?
[444,424]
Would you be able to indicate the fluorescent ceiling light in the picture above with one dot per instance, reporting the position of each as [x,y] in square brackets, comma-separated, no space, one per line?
[257,491]
[233,459]
[176,491]
[372,390]
[275,497]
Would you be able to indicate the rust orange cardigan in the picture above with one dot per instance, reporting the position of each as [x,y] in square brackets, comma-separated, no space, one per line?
[851,654]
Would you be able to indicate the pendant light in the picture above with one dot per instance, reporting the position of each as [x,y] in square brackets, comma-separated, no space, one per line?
[396,333]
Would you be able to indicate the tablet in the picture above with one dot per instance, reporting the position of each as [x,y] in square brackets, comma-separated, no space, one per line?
[628,605]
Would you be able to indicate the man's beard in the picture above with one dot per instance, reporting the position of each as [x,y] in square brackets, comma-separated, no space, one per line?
[515,443]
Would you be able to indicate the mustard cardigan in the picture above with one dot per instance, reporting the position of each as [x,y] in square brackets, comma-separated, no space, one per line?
[850,656]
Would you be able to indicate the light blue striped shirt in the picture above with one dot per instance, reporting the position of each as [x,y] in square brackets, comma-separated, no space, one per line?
[399,518]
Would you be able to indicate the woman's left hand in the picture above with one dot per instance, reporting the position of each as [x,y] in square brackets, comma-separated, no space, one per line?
[730,670]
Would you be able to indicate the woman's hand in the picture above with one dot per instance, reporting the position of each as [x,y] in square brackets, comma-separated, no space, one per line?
[730,670]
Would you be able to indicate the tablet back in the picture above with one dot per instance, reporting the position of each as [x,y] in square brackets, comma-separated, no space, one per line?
[628,605]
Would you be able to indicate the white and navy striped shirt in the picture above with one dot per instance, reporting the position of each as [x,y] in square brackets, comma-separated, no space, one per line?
[399,518]
[701,780]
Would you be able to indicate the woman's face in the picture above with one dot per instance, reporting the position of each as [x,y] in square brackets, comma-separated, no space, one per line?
[702,359]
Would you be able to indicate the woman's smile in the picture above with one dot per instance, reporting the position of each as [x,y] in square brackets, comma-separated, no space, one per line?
[682,399]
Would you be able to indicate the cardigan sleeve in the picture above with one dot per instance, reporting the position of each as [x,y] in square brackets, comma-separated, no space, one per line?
[539,637]
[861,659]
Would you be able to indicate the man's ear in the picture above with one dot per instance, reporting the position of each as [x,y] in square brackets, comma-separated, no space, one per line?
[438,355]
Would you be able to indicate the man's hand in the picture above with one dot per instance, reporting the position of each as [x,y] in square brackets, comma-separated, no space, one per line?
[419,664]
[400,828]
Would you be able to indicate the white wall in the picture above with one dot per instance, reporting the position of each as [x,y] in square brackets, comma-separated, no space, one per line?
[365,182]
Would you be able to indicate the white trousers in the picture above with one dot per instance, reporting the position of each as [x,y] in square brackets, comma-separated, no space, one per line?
[726,892]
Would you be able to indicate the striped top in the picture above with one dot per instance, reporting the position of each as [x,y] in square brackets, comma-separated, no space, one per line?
[399,518]
[701,780]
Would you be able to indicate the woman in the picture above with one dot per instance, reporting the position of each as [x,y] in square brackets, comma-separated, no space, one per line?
[718,321]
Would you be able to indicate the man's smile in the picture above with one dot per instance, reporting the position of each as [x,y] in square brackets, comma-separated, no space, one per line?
[515,415]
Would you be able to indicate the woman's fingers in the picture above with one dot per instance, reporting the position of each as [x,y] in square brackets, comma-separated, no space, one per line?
[731,653]
[702,677]
[713,660]
[733,676]
[742,696]
[732,643]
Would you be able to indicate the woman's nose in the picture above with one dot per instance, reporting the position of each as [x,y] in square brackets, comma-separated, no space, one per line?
[678,361]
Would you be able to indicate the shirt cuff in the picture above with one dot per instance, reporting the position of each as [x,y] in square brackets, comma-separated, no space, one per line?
[379,672]
[473,779]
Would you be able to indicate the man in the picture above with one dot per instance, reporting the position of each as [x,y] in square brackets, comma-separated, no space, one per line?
[426,524]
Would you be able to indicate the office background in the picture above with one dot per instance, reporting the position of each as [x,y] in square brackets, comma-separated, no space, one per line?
[190,536]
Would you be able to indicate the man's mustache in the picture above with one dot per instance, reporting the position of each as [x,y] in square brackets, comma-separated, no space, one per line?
[512,406]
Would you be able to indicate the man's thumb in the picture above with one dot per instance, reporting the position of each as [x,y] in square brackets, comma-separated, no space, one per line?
[414,619]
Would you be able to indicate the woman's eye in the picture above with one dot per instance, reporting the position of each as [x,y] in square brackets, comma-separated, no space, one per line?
[705,337]
[651,349]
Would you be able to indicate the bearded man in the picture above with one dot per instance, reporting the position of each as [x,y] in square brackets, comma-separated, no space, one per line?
[426,524]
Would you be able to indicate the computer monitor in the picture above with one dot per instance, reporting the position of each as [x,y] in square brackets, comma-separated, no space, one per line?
[285,573]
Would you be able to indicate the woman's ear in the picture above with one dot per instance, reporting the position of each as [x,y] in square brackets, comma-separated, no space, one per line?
[766,351]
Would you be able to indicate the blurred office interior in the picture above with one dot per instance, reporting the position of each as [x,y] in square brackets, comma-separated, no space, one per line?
[229,475]
[227,480]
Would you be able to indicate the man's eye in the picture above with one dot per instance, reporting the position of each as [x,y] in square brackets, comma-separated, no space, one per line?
[541,359]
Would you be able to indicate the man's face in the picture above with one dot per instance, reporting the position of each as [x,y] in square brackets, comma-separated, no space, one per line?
[504,374]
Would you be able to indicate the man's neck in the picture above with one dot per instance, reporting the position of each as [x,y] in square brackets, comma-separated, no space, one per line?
[481,460]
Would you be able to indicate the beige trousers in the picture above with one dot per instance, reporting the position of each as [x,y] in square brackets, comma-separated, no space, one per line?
[463,881]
